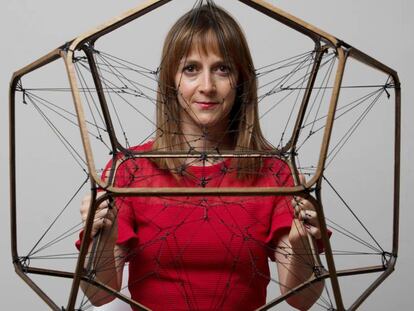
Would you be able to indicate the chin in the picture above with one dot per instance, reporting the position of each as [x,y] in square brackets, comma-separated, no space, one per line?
[210,124]
[206,122]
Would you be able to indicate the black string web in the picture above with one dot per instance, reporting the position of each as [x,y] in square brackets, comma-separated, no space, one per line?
[212,252]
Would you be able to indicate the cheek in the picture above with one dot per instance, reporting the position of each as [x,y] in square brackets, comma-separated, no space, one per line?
[228,89]
[186,88]
[231,97]
[182,101]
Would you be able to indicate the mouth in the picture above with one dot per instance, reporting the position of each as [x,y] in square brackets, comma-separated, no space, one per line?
[206,105]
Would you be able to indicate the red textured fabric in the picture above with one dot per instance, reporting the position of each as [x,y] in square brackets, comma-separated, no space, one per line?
[200,253]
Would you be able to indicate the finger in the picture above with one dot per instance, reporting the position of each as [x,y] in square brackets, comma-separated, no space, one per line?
[103,204]
[309,217]
[306,205]
[300,204]
[106,213]
[101,213]
[314,231]
[111,202]
[100,224]
[104,219]
[86,202]
[111,213]
[296,203]
[101,209]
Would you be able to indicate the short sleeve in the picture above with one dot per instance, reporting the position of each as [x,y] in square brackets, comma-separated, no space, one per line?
[127,236]
[282,212]
[127,230]
[280,223]
[126,221]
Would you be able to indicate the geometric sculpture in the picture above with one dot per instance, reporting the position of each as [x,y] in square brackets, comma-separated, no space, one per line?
[99,82]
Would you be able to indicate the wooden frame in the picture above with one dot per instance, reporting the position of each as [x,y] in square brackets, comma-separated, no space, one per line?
[322,41]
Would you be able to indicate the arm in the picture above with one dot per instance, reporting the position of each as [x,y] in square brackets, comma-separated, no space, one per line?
[110,260]
[295,266]
[294,258]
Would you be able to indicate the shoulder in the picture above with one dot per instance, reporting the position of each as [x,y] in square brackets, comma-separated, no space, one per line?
[124,161]
[275,164]
[126,155]
[129,156]
[278,170]
[147,146]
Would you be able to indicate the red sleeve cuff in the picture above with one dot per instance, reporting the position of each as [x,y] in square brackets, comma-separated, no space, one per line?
[79,241]
[129,242]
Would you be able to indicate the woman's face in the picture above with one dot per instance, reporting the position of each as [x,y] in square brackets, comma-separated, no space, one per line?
[206,86]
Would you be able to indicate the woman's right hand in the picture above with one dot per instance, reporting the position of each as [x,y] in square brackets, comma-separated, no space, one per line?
[109,268]
[105,217]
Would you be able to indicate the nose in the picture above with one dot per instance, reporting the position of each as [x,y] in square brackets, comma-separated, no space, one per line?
[207,83]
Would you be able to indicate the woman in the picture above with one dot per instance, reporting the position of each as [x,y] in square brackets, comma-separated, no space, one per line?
[204,253]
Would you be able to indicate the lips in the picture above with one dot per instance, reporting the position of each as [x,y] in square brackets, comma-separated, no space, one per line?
[206,105]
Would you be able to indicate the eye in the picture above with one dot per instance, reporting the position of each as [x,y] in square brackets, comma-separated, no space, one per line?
[223,69]
[189,69]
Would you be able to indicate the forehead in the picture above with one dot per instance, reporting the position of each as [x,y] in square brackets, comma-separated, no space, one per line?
[205,44]
[198,54]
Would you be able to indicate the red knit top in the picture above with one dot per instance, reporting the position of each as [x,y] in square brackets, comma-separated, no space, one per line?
[200,253]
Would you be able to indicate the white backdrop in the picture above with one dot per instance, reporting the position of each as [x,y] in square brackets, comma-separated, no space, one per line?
[383,29]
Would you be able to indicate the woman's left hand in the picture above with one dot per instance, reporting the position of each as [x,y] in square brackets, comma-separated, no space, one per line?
[305,222]
[296,255]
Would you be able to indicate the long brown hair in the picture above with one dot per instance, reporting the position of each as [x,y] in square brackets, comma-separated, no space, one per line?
[200,26]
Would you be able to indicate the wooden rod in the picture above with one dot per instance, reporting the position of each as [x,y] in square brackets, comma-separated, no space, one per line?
[92,35]
[291,21]
[22,273]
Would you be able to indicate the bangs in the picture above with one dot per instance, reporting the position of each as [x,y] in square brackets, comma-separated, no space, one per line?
[206,30]
[205,43]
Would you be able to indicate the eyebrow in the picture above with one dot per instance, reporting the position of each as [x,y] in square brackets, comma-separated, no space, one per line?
[192,60]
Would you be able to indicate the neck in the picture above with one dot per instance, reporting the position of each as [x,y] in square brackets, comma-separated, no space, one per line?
[206,138]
